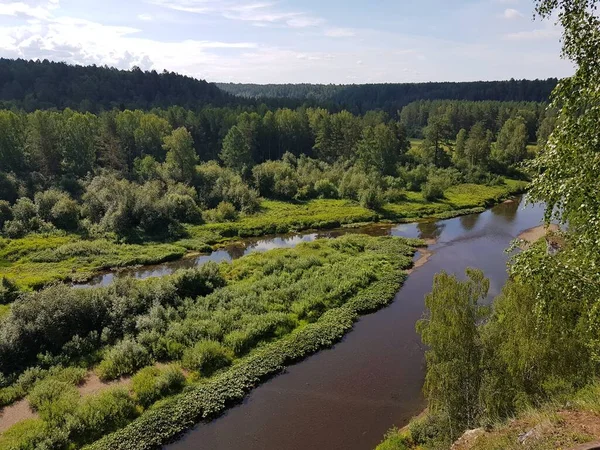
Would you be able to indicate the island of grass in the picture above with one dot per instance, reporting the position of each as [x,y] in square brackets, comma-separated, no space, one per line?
[37,260]
[195,341]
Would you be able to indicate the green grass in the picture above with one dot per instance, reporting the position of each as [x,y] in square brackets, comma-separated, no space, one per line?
[37,260]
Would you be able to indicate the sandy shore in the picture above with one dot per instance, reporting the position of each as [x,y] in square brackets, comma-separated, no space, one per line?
[533,234]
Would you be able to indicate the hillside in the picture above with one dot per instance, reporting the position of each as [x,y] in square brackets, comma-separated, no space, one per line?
[41,85]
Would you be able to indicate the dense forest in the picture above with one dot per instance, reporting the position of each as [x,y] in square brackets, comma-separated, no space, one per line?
[32,85]
[391,97]
[113,170]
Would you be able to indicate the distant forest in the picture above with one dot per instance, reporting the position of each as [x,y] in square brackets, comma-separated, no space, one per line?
[31,85]
[392,97]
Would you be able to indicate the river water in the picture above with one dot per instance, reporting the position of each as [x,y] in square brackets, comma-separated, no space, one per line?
[348,396]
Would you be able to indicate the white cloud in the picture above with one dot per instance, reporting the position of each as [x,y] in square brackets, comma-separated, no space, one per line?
[37,9]
[339,32]
[255,12]
[145,17]
[511,13]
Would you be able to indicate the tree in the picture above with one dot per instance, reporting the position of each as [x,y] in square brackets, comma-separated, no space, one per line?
[453,358]
[43,139]
[378,149]
[478,145]
[149,136]
[79,144]
[460,153]
[546,128]
[181,158]
[436,134]
[511,146]
[237,151]
[12,141]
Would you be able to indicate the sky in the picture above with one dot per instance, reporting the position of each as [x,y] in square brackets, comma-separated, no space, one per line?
[291,41]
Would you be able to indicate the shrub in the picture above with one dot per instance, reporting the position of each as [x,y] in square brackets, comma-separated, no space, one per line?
[152,383]
[54,400]
[123,359]
[65,214]
[325,189]
[394,195]
[24,210]
[433,190]
[371,198]
[198,281]
[25,435]
[8,291]
[206,357]
[224,212]
[5,213]
[101,414]
[45,201]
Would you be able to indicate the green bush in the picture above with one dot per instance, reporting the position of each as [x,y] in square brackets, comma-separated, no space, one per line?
[123,359]
[206,357]
[5,213]
[371,198]
[224,212]
[25,435]
[433,190]
[325,189]
[100,414]
[54,400]
[8,291]
[153,383]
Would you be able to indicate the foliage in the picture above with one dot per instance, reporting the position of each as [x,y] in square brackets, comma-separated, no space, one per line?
[123,359]
[153,383]
[206,357]
[450,332]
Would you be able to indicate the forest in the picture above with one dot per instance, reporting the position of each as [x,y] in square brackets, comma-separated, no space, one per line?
[391,97]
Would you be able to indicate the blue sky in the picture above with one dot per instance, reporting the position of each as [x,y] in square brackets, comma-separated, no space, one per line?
[291,41]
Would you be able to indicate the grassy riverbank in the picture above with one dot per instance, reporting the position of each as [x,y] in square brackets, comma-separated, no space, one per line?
[229,326]
[564,423]
[36,260]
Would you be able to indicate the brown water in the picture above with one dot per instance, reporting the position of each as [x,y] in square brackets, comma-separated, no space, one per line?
[348,396]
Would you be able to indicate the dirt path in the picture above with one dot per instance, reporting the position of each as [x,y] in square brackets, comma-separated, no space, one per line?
[15,413]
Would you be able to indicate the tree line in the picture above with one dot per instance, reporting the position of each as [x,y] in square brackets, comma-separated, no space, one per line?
[391,97]
[32,85]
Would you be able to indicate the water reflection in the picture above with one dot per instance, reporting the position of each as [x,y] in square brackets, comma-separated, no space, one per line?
[507,210]
[430,230]
[470,221]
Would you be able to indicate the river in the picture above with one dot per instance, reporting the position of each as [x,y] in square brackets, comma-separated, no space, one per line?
[348,396]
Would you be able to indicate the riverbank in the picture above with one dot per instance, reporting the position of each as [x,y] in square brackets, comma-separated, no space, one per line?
[274,309]
[570,424]
[37,260]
